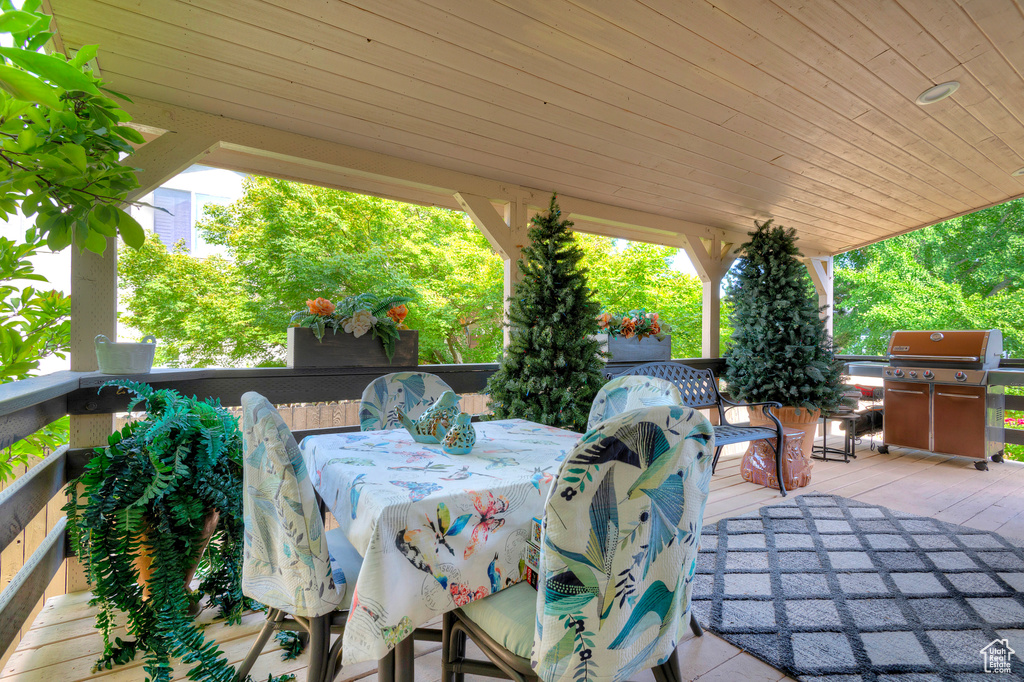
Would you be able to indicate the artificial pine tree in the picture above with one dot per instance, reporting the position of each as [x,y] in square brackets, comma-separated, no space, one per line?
[781,350]
[551,369]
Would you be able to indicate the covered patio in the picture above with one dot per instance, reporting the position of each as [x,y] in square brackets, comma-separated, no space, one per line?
[675,124]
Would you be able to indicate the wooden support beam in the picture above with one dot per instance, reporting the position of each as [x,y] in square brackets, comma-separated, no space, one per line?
[823,276]
[712,258]
[507,234]
[161,159]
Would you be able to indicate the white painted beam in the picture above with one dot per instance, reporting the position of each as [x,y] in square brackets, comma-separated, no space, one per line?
[711,258]
[823,275]
[164,157]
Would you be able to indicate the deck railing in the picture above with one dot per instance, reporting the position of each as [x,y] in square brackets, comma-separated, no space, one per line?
[27,406]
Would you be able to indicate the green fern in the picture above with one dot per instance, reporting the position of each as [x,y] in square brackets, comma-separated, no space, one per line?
[150,491]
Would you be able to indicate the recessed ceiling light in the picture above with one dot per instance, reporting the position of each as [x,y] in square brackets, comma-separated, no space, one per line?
[937,92]
[1018,172]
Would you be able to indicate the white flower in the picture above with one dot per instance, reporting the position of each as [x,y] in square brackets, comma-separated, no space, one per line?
[360,323]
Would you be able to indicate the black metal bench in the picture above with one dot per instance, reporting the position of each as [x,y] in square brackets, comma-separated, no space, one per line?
[699,390]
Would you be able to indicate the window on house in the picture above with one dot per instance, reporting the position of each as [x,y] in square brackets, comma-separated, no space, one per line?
[174,222]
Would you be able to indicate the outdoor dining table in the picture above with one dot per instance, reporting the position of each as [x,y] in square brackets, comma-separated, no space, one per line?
[436,531]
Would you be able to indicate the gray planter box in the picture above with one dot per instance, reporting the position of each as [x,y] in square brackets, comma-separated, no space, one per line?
[345,350]
[648,349]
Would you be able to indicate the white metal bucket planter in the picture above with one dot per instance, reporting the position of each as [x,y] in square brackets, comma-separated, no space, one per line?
[125,358]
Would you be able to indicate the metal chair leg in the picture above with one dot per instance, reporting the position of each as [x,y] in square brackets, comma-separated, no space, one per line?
[695,627]
[319,648]
[447,653]
[714,462]
[273,618]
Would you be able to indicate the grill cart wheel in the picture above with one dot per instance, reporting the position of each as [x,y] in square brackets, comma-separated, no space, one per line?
[981,466]
[883,449]
[998,457]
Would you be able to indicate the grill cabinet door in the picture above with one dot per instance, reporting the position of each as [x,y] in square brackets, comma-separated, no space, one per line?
[959,420]
[907,415]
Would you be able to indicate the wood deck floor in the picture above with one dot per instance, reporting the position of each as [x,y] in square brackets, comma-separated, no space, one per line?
[62,644]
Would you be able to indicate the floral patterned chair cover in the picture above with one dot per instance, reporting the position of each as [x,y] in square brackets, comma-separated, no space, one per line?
[629,393]
[619,552]
[286,563]
[412,391]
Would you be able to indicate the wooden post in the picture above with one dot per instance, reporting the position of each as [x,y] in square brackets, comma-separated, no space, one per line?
[93,311]
[507,234]
[711,258]
[823,276]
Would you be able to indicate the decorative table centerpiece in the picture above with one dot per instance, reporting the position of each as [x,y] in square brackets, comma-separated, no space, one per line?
[373,329]
[636,335]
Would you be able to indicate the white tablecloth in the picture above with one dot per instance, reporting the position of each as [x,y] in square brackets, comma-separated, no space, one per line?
[436,531]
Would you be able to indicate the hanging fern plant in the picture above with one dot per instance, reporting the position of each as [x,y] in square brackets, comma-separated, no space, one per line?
[146,498]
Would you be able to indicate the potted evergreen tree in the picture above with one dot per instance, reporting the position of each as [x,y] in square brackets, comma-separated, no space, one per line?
[552,367]
[781,350]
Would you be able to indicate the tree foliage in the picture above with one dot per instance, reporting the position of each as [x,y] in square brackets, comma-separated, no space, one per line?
[150,492]
[964,273]
[634,275]
[285,243]
[61,139]
[551,369]
[34,325]
[780,349]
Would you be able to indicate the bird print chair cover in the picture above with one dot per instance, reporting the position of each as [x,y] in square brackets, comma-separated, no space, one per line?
[619,548]
[630,393]
[412,391]
[286,563]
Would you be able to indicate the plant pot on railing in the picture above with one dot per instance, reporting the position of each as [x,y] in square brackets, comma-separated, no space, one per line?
[345,350]
[123,357]
[648,349]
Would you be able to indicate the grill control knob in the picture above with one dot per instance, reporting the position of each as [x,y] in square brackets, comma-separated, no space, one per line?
[960,376]
[899,372]
[888,372]
[913,374]
[928,374]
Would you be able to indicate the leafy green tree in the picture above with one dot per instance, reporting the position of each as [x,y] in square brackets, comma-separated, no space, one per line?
[61,139]
[960,274]
[780,349]
[551,369]
[633,275]
[286,242]
[34,325]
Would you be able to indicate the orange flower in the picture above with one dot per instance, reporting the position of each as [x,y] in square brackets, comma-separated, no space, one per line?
[653,317]
[628,327]
[398,313]
[603,320]
[655,328]
[320,306]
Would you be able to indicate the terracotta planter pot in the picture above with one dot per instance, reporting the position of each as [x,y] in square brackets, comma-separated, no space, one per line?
[345,350]
[805,421]
[144,562]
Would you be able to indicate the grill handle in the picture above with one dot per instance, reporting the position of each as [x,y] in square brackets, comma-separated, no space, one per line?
[936,358]
[957,395]
[897,390]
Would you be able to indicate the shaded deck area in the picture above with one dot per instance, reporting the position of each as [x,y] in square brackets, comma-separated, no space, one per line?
[63,645]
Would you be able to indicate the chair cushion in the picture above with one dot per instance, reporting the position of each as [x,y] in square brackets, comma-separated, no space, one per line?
[508,617]
[726,435]
[345,564]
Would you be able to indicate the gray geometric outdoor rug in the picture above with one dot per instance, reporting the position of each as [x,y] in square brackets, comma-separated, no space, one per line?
[834,590]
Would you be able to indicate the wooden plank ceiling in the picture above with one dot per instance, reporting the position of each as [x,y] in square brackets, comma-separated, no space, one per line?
[715,114]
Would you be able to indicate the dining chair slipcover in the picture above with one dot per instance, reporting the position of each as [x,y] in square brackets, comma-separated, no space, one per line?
[286,563]
[412,391]
[629,393]
[619,550]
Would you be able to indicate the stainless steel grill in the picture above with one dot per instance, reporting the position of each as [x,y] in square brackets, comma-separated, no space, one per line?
[938,396]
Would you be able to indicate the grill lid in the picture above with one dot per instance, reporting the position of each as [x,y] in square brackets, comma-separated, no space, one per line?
[970,349]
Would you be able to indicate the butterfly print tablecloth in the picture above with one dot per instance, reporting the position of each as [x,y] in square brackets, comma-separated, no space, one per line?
[436,531]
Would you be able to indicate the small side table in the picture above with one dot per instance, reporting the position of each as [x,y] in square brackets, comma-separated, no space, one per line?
[848,450]
[759,461]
